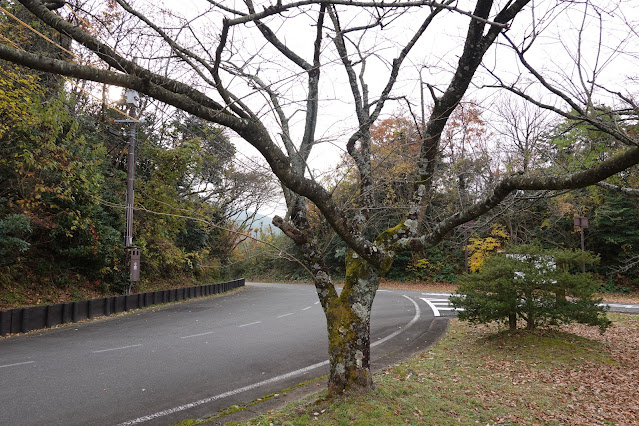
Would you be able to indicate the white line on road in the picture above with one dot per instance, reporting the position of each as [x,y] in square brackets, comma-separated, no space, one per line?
[197,335]
[250,323]
[285,315]
[307,308]
[264,382]
[315,303]
[115,349]
[439,300]
[619,305]
[433,307]
[418,312]
[223,395]
[16,364]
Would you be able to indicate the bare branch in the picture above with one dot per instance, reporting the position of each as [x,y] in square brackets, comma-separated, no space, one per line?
[634,192]
[279,8]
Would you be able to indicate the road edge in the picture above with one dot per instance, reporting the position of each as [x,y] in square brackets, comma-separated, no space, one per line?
[305,390]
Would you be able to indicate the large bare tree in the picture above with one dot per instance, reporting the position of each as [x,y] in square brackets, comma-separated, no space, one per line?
[276,74]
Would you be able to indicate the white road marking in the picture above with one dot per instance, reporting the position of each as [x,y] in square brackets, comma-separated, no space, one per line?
[250,323]
[223,395]
[387,291]
[418,313]
[433,307]
[449,308]
[285,315]
[619,305]
[437,294]
[316,303]
[16,364]
[197,335]
[439,300]
[115,349]
[306,308]
[264,382]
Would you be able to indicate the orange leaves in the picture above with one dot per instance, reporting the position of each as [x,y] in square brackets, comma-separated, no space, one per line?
[465,131]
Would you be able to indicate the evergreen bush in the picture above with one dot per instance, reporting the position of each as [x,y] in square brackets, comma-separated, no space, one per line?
[540,287]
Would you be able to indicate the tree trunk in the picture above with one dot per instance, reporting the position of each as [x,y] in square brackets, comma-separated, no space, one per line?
[529,307]
[530,323]
[348,322]
[512,321]
[347,314]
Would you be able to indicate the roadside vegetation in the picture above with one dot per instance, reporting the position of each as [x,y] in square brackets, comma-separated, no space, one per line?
[63,174]
[487,375]
[612,235]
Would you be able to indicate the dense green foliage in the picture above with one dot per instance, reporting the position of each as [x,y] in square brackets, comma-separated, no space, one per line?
[540,287]
[616,236]
[62,192]
[60,207]
[13,230]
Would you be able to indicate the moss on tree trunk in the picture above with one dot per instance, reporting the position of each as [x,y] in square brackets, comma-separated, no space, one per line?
[348,319]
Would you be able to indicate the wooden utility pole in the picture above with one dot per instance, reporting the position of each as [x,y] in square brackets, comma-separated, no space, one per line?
[133,253]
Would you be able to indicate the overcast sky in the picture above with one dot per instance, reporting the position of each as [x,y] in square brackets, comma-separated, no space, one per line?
[565,51]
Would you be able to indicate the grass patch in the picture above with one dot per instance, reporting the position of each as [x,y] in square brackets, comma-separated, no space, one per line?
[479,374]
[623,320]
[544,348]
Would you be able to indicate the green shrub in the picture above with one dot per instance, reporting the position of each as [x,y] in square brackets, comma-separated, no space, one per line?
[13,229]
[540,287]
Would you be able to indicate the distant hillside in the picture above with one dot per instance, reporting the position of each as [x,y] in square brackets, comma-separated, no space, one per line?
[259,222]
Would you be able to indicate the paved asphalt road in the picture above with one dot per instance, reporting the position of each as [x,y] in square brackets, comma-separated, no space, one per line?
[191,359]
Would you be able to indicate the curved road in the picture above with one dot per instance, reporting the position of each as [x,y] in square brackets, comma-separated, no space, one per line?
[189,360]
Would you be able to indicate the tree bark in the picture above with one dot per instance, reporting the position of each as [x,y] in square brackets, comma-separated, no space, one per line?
[347,314]
[530,310]
[348,322]
[512,321]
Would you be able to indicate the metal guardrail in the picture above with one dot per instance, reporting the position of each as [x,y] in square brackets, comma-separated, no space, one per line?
[21,320]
